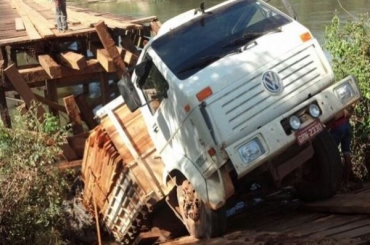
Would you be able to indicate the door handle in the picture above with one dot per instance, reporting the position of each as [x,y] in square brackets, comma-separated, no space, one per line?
[155,128]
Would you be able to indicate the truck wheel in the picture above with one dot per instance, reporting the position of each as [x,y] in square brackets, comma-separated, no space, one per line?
[200,220]
[321,175]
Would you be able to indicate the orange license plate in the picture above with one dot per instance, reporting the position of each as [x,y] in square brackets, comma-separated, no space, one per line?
[309,132]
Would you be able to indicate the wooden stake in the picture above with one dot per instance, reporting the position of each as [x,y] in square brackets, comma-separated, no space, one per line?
[96,217]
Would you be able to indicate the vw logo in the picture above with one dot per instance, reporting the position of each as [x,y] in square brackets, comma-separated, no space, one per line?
[272,82]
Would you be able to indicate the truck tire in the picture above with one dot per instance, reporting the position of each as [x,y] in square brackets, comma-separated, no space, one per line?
[200,220]
[322,173]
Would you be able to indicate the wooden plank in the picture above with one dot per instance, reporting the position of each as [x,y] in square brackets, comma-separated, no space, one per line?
[50,103]
[73,113]
[364,229]
[50,66]
[34,74]
[342,203]
[42,25]
[22,88]
[33,34]
[144,20]
[14,40]
[322,224]
[348,223]
[19,26]
[73,60]
[111,47]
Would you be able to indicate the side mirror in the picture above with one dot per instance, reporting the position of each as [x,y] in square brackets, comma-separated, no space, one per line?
[128,92]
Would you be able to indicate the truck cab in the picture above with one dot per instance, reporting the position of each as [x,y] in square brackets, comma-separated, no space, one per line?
[236,93]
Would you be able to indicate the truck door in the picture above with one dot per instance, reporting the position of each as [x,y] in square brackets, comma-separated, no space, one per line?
[154,89]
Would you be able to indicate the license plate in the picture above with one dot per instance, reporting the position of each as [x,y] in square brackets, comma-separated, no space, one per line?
[309,132]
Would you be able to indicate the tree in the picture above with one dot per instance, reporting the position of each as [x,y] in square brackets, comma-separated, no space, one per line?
[32,188]
[349,46]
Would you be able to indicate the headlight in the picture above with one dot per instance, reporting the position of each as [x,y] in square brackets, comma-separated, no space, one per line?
[344,92]
[314,110]
[294,122]
[251,150]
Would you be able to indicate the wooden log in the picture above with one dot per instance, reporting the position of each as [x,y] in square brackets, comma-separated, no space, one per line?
[73,113]
[50,66]
[111,47]
[19,26]
[22,88]
[73,60]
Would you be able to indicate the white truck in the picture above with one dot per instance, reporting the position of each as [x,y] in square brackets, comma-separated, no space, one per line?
[236,94]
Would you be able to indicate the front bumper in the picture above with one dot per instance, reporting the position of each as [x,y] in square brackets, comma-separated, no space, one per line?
[272,136]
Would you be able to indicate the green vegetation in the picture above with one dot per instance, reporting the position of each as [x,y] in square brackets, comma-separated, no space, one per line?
[32,188]
[349,45]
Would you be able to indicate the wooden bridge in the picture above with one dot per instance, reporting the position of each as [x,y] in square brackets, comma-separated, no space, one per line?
[36,59]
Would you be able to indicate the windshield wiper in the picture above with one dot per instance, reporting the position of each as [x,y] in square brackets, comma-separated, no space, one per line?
[203,62]
[247,37]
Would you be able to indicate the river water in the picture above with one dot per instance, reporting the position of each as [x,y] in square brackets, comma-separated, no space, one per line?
[315,14]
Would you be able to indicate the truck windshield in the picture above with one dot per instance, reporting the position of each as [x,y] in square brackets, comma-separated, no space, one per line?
[215,34]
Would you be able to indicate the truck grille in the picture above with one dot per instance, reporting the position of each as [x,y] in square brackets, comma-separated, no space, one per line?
[248,103]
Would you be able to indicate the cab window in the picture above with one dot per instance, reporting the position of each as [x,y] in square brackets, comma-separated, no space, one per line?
[153,85]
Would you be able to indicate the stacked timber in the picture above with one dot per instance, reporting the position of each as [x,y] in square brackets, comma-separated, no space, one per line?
[121,171]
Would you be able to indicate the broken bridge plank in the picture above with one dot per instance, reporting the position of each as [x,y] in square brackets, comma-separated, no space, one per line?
[22,88]
[110,46]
